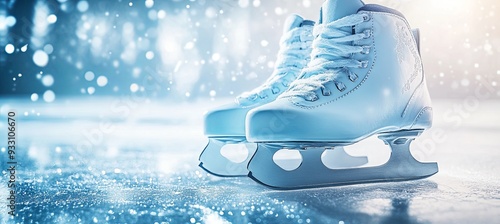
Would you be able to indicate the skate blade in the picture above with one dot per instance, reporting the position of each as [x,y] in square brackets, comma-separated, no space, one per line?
[213,162]
[313,173]
[333,158]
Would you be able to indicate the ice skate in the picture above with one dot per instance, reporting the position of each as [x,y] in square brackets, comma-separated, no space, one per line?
[226,125]
[365,78]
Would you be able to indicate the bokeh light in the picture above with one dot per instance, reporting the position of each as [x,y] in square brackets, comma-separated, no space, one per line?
[201,46]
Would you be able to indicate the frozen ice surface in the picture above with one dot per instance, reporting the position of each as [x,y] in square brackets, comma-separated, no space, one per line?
[123,161]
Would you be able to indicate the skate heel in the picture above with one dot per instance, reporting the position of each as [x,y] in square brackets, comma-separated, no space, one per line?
[406,165]
[212,161]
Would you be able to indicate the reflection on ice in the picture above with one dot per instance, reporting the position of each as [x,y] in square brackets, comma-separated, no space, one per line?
[41,156]
[146,171]
[209,216]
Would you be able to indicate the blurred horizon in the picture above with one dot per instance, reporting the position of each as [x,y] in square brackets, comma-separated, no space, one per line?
[185,50]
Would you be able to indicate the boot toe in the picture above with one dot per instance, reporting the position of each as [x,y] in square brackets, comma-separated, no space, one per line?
[227,120]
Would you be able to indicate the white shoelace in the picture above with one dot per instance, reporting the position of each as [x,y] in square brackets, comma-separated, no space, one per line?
[294,53]
[331,58]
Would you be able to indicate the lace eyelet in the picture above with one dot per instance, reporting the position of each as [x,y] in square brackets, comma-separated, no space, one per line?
[326,92]
[353,77]
[263,97]
[314,98]
[340,86]
[367,33]
[252,97]
[366,50]
[275,90]
[366,17]
[364,64]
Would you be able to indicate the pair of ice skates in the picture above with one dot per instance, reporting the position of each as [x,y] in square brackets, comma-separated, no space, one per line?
[356,73]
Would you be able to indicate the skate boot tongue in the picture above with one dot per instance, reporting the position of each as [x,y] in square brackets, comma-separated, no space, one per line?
[335,9]
[291,22]
[294,21]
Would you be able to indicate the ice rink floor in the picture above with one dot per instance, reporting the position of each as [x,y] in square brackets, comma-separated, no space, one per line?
[126,160]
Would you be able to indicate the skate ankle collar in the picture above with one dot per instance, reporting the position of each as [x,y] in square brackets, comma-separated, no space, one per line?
[379,8]
[307,23]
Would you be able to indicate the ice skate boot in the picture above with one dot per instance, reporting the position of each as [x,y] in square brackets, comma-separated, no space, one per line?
[365,78]
[225,125]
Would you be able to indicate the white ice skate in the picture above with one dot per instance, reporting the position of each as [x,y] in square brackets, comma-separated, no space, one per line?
[365,78]
[226,125]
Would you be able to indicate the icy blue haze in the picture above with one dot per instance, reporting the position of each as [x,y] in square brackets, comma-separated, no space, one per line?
[108,98]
